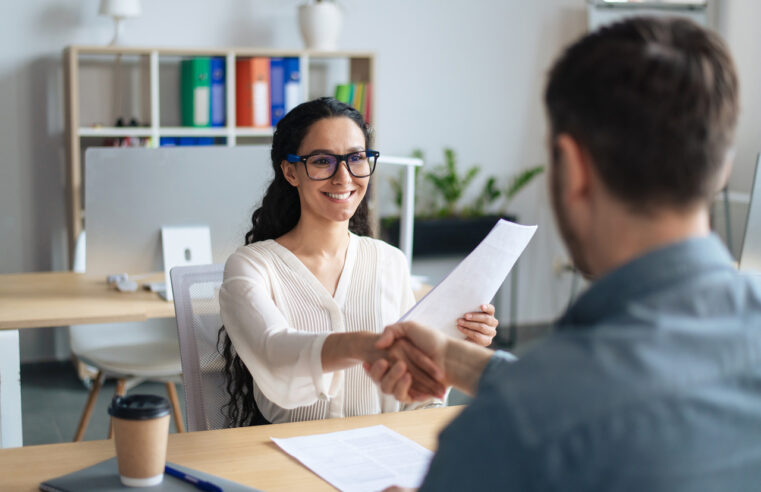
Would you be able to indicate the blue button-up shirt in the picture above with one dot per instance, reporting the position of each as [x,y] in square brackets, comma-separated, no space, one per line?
[652,382]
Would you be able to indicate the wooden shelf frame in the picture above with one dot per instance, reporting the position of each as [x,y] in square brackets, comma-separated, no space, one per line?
[361,69]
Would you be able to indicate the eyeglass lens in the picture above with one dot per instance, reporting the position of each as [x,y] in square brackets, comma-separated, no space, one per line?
[323,166]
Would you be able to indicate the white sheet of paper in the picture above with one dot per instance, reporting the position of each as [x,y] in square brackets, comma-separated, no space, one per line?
[364,459]
[474,281]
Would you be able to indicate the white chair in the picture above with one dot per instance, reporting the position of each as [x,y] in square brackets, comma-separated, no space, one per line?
[196,306]
[130,352]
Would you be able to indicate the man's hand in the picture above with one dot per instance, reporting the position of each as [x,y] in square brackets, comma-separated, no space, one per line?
[421,375]
[394,377]
[461,363]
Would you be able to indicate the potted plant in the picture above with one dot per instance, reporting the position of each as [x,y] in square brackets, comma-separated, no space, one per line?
[442,225]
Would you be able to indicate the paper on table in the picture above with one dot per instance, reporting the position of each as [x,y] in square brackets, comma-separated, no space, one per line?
[474,281]
[365,459]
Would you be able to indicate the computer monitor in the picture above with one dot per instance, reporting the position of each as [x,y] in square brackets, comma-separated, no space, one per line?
[750,255]
[131,193]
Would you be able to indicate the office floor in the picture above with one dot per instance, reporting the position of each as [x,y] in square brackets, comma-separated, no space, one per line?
[52,396]
[52,399]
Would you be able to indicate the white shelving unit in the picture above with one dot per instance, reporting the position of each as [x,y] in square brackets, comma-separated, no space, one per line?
[148,86]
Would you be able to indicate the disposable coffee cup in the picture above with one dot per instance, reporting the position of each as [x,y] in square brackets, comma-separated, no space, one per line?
[141,427]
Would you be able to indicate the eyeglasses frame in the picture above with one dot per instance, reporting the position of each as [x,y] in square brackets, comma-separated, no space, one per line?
[294,159]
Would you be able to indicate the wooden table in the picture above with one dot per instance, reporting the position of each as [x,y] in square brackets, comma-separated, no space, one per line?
[245,455]
[44,299]
[36,300]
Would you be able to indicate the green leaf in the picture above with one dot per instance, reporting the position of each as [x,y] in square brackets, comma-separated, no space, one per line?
[520,180]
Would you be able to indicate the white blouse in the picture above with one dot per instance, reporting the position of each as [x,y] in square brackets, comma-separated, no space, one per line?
[278,314]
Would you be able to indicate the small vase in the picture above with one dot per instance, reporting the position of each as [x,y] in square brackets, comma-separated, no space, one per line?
[320,25]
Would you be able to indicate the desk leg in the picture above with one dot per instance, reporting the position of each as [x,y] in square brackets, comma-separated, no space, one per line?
[10,390]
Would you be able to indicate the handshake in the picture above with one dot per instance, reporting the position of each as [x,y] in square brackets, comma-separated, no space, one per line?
[416,363]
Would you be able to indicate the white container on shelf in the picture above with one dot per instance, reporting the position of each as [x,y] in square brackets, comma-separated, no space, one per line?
[320,25]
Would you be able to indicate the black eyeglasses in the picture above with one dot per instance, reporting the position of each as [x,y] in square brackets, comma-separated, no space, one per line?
[321,165]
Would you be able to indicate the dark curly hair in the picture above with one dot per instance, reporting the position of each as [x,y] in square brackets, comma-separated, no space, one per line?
[278,214]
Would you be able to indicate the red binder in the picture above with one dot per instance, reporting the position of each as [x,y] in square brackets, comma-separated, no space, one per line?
[252,94]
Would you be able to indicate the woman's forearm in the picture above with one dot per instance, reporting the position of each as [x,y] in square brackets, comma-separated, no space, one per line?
[342,350]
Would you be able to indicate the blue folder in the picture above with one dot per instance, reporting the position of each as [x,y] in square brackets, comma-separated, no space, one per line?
[218,105]
[277,89]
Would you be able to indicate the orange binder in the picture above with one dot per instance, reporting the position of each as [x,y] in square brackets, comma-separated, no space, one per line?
[252,94]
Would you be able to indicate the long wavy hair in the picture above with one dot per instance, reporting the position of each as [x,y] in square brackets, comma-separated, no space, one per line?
[279,213]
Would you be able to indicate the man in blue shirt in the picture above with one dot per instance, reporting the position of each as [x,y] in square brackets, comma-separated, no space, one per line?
[652,379]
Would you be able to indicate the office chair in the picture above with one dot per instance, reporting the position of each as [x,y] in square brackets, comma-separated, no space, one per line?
[130,352]
[196,306]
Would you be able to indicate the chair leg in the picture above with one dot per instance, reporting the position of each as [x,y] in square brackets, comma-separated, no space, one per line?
[172,392]
[120,384]
[91,398]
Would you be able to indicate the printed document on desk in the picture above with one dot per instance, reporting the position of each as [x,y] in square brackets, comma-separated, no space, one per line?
[474,281]
[365,459]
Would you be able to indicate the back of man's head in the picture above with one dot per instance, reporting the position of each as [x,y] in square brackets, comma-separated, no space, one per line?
[654,103]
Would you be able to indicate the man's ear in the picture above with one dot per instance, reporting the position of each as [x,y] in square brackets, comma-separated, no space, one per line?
[576,167]
[289,171]
[726,170]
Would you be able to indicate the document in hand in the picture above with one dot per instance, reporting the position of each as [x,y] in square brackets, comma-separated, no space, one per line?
[474,281]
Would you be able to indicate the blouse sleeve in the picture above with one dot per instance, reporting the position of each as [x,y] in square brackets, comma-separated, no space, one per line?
[286,364]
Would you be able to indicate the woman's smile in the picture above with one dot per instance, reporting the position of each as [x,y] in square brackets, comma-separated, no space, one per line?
[339,197]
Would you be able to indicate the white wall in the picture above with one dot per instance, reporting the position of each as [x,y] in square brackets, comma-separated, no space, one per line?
[463,74]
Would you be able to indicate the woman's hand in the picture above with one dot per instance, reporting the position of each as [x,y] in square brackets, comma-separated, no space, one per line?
[423,376]
[420,374]
[479,327]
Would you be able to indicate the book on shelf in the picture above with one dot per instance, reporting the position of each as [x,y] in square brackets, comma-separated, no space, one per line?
[343,93]
[218,104]
[356,94]
[252,80]
[368,114]
[292,83]
[195,91]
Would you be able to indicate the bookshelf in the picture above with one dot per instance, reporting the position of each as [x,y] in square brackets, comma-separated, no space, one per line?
[102,83]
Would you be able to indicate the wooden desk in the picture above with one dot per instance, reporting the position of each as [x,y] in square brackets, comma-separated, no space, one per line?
[244,455]
[36,300]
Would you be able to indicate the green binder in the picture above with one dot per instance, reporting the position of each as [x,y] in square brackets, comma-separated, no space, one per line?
[195,91]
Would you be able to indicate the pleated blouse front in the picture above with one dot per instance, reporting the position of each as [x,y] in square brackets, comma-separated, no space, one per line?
[278,314]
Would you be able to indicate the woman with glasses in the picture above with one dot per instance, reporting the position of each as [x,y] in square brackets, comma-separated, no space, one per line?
[304,301]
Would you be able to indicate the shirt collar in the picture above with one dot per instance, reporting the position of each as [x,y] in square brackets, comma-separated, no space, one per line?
[644,274]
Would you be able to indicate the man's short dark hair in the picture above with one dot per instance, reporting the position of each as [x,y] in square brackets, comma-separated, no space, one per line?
[654,102]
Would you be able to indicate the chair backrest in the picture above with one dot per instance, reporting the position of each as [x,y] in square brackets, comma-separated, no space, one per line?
[196,306]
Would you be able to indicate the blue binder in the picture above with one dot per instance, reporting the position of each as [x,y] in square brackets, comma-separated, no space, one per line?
[292,84]
[218,105]
[184,141]
[277,89]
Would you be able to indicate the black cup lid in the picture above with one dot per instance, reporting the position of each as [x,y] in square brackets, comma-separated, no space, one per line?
[138,407]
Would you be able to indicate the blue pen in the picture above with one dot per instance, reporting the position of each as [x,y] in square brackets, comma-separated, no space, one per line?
[197,482]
